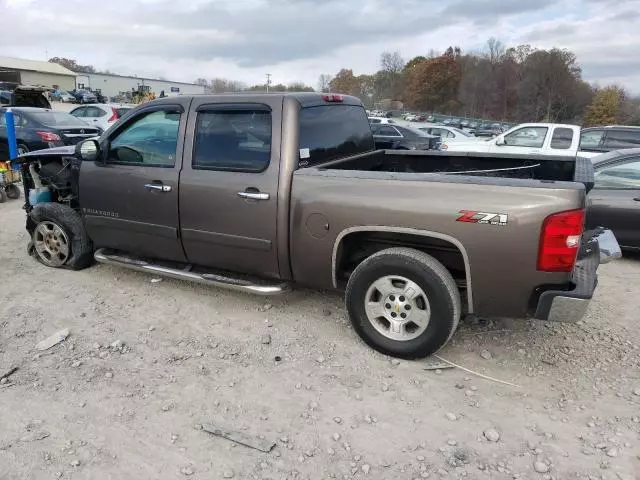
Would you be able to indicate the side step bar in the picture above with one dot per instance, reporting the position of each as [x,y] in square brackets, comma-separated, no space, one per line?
[262,287]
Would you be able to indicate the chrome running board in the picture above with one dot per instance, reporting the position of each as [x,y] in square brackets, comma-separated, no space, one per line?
[257,287]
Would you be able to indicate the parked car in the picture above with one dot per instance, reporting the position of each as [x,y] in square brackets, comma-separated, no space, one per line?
[448,134]
[385,120]
[84,96]
[486,130]
[38,128]
[16,95]
[414,250]
[605,139]
[62,96]
[100,98]
[614,202]
[101,115]
[397,137]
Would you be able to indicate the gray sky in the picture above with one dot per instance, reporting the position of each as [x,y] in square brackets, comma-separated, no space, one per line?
[297,40]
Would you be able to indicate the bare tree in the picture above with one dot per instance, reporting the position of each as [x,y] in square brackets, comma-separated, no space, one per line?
[391,62]
[324,82]
[495,50]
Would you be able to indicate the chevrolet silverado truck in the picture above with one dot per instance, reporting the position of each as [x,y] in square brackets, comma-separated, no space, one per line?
[256,192]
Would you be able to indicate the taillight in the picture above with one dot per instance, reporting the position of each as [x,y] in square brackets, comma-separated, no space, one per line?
[114,115]
[333,98]
[48,136]
[560,241]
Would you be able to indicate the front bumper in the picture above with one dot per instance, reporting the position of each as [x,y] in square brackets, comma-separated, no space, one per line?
[571,305]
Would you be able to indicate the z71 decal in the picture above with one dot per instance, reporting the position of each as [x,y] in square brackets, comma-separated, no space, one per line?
[471,216]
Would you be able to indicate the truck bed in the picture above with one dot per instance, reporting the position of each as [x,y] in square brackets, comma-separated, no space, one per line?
[531,167]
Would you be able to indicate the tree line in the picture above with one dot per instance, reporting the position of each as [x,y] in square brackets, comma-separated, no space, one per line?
[516,84]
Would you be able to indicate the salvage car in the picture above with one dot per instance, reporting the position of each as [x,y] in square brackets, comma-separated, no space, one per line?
[38,128]
[402,137]
[256,193]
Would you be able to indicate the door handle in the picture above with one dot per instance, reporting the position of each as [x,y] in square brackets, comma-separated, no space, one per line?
[637,199]
[158,186]
[254,195]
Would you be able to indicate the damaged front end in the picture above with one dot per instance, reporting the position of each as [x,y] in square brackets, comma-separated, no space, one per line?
[50,175]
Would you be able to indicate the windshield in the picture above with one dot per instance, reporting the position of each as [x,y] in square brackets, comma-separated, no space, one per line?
[54,119]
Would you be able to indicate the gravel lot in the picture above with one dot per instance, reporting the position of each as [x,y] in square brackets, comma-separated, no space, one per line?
[146,363]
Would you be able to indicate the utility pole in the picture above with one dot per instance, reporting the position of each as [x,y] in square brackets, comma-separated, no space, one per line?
[268,81]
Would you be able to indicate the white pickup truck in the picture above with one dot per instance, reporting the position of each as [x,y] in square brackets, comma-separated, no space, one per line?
[529,138]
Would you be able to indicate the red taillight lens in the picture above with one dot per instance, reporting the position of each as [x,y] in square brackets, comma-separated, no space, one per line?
[333,98]
[560,241]
[48,136]
[114,115]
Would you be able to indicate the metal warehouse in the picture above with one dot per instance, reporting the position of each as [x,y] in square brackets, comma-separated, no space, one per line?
[112,85]
[34,72]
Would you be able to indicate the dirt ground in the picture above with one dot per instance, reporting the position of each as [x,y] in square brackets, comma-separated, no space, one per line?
[292,370]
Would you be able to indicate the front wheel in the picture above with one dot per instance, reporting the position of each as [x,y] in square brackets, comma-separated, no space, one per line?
[58,237]
[403,303]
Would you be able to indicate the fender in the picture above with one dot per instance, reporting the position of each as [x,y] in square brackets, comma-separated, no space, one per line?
[411,231]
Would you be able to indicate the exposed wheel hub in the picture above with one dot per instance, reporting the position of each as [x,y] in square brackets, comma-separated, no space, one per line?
[51,244]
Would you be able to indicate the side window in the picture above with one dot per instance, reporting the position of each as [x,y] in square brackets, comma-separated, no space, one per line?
[590,139]
[94,112]
[620,176]
[616,139]
[150,140]
[531,137]
[79,112]
[388,132]
[237,140]
[375,120]
[562,138]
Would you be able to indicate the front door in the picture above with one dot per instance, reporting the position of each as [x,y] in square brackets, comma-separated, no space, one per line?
[130,198]
[615,201]
[229,185]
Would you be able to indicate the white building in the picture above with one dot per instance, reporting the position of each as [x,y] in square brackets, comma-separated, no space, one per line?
[113,85]
[34,72]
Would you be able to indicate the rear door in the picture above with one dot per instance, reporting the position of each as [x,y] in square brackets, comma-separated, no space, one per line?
[615,200]
[229,185]
[130,200]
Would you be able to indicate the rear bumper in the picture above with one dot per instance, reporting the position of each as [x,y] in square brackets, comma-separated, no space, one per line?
[571,305]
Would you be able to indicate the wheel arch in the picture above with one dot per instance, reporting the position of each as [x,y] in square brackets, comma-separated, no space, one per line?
[406,233]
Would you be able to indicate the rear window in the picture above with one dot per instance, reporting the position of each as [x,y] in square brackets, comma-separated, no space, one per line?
[54,119]
[329,132]
[562,138]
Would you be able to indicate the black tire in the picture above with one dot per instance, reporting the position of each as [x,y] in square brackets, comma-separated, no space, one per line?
[431,276]
[70,221]
[22,149]
[3,195]
[13,191]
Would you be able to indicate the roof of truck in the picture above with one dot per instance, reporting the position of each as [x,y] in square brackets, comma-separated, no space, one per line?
[305,98]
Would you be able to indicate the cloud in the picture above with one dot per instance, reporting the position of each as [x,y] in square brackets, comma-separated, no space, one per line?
[296,40]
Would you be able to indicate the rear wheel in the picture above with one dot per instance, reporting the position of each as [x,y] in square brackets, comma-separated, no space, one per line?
[22,149]
[403,303]
[3,195]
[58,237]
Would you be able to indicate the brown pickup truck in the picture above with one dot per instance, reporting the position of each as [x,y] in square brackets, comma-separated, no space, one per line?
[256,192]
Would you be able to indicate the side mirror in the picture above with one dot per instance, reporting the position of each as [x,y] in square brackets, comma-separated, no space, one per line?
[500,141]
[88,150]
